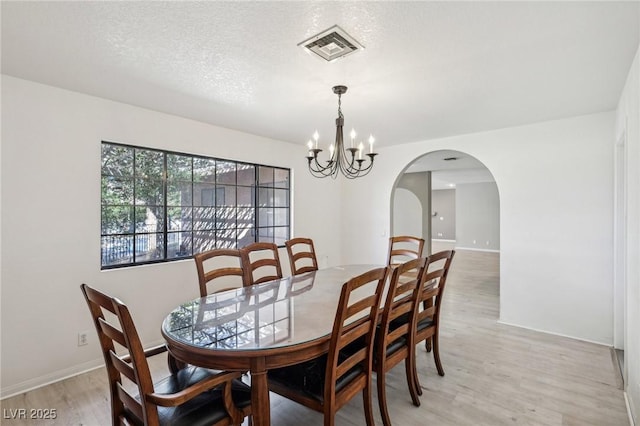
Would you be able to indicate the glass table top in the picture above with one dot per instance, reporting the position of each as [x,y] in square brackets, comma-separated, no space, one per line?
[289,311]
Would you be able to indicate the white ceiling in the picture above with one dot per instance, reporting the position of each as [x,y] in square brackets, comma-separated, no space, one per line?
[429,69]
[451,168]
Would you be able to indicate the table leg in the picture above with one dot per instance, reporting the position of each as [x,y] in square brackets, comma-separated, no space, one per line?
[260,393]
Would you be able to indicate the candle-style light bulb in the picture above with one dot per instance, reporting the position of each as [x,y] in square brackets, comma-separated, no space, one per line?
[316,136]
[310,146]
[360,148]
[331,148]
[353,136]
[371,141]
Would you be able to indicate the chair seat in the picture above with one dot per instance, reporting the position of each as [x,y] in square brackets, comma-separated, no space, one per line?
[308,377]
[422,324]
[401,320]
[395,345]
[204,409]
[425,323]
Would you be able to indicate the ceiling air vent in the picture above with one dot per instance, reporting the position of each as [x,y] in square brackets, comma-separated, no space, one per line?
[331,44]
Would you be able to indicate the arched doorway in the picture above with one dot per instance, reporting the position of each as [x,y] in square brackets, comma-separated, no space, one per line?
[459,202]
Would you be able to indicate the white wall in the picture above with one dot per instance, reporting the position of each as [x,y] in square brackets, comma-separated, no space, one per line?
[628,119]
[553,261]
[51,222]
[477,216]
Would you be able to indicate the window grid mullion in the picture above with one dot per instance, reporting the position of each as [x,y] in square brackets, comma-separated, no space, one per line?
[193,207]
[165,209]
[232,227]
[256,205]
[133,204]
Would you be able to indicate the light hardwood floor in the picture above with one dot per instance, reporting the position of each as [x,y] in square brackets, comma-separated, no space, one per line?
[495,374]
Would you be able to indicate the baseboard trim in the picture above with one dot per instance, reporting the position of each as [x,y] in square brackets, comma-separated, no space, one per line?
[47,379]
[629,413]
[478,249]
[617,365]
[554,333]
[56,376]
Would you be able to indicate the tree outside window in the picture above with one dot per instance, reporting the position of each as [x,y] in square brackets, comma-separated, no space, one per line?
[159,206]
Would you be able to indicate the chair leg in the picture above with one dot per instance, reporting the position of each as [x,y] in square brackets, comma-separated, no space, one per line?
[382,397]
[413,388]
[329,417]
[426,305]
[414,372]
[436,353]
[368,409]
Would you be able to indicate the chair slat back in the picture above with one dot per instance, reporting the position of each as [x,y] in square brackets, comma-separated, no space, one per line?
[433,285]
[112,332]
[302,255]
[213,277]
[403,291]
[132,405]
[403,248]
[123,367]
[133,365]
[261,257]
[355,324]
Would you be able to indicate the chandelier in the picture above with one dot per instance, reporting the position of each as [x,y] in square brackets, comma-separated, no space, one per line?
[348,161]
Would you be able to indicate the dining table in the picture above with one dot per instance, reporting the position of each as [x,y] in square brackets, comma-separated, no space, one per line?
[260,327]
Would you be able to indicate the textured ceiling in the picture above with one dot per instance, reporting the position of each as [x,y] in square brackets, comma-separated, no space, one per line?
[429,69]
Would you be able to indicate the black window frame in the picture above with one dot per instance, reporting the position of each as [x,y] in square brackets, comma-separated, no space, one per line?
[268,215]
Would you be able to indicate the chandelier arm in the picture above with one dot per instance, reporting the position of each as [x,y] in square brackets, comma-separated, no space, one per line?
[314,165]
[326,171]
[354,167]
[319,175]
[319,170]
[348,168]
[349,163]
[359,172]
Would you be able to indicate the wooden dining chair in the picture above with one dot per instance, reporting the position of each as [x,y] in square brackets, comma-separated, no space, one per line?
[428,306]
[262,257]
[188,396]
[302,255]
[394,336]
[214,270]
[403,248]
[327,383]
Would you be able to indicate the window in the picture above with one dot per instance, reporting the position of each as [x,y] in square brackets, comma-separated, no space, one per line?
[159,206]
